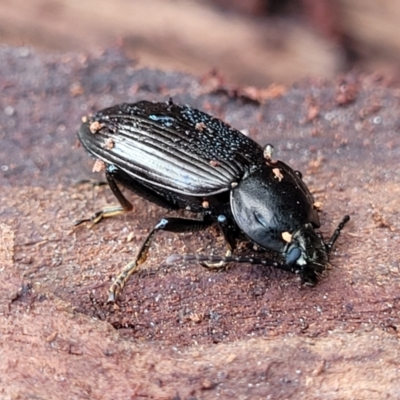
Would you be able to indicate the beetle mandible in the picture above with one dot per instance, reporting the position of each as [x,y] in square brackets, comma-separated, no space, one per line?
[181,158]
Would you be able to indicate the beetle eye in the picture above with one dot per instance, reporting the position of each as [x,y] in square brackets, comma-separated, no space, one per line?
[293,255]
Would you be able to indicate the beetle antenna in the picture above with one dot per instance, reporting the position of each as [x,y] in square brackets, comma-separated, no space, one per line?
[336,234]
[173,258]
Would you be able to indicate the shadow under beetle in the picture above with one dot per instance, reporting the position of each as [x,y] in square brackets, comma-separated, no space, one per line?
[181,158]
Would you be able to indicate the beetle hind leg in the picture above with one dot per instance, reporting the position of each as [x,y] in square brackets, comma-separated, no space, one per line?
[111,211]
[165,224]
[229,234]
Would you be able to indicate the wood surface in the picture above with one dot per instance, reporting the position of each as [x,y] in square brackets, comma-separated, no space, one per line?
[182,332]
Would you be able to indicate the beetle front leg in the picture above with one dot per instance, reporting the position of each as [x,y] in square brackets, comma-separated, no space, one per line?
[165,224]
[111,211]
[229,234]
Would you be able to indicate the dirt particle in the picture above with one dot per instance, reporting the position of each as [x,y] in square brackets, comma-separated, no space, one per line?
[380,219]
[317,205]
[76,89]
[314,165]
[51,337]
[130,237]
[214,163]
[206,384]
[312,113]
[95,126]
[99,166]
[200,126]
[109,144]
[278,174]
[196,317]
[319,369]
[262,95]
[287,237]
[346,93]
[230,358]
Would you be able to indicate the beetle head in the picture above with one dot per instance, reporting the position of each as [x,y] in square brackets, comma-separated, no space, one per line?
[307,254]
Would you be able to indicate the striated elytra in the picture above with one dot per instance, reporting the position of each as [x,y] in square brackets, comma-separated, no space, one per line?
[181,158]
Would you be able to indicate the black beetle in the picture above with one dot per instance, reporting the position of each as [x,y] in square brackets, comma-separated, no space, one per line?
[182,158]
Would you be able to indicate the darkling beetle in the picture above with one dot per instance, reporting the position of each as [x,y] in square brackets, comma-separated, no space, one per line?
[181,158]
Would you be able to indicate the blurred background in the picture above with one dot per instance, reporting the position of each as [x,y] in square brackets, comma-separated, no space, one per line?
[249,42]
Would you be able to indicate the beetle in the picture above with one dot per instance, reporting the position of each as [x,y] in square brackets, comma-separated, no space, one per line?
[181,158]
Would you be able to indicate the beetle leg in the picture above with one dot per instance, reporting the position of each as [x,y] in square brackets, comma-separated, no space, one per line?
[92,182]
[107,212]
[115,174]
[229,232]
[165,224]
[230,240]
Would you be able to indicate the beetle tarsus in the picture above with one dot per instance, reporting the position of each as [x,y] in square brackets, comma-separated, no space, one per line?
[121,279]
[106,212]
[166,224]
